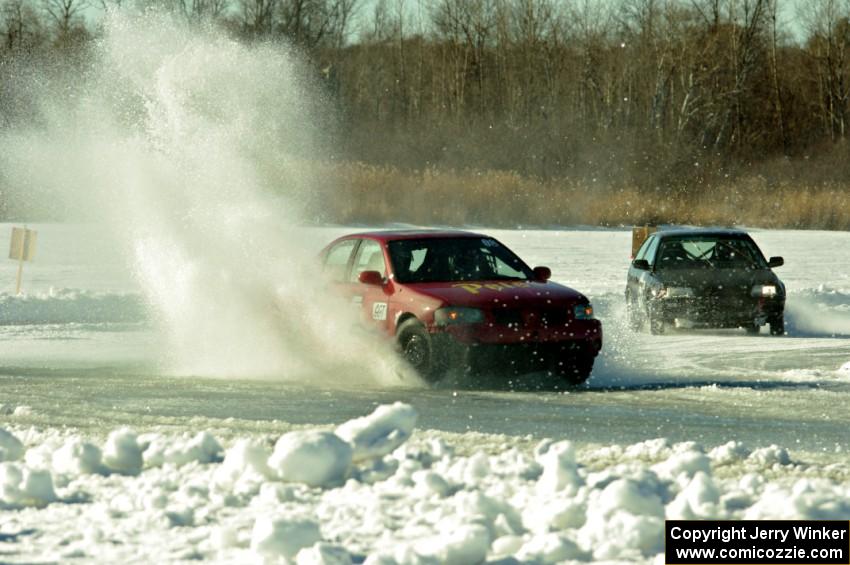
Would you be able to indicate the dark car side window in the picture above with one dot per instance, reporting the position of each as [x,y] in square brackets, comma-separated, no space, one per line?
[336,261]
[651,249]
[641,254]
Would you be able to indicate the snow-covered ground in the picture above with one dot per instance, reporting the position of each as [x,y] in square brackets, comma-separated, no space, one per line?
[108,453]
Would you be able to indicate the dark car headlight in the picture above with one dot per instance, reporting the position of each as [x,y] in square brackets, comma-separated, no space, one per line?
[583,312]
[764,291]
[455,315]
[679,292]
[674,292]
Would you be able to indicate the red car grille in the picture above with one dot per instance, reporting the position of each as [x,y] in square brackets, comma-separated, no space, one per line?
[530,318]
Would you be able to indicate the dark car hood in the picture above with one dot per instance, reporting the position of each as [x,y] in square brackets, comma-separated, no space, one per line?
[480,294]
[703,279]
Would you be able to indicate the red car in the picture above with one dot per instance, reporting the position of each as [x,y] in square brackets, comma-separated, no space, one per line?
[454,298]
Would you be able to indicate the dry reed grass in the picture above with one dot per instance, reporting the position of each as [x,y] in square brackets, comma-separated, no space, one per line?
[360,193]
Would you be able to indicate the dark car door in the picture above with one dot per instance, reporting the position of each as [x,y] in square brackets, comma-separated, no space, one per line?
[638,279]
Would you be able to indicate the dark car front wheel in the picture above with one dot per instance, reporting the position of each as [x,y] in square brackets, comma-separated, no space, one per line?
[655,320]
[635,320]
[777,325]
[574,369]
[417,348]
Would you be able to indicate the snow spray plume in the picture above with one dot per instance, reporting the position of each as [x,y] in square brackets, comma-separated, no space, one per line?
[193,149]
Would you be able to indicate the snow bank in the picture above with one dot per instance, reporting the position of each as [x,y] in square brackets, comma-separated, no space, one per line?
[822,310]
[65,306]
[373,493]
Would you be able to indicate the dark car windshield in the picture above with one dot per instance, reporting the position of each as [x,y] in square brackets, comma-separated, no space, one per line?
[455,259]
[709,252]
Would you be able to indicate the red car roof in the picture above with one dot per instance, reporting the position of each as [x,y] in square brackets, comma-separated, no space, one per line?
[391,235]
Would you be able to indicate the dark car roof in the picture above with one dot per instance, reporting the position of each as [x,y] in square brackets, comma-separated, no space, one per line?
[391,235]
[701,232]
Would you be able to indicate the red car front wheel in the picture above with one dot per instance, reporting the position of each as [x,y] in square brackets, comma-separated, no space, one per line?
[418,350]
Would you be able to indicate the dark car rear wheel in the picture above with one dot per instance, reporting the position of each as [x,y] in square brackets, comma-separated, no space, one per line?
[575,369]
[417,348]
[777,325]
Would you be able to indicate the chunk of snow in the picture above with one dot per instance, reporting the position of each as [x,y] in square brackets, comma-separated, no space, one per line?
[769,456]
[685,464]
[283,537]
[626,495]
[22,486]
[697,501]
[559,468]
[379,433]
[431,483]
[323,554]
[551,548]
[554,513]
[461,546]
[202,448]
[122,453]
[730,452]
[77,457]
[649,449]
[314,458]
[246,460]
[624,536]
[11,448]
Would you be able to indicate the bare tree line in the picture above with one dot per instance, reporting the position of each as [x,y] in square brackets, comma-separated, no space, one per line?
[649,93]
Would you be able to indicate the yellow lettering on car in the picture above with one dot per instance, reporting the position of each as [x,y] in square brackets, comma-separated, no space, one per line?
[474,288]
[470,287]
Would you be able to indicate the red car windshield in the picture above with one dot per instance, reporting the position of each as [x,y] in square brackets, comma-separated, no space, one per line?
[455,259]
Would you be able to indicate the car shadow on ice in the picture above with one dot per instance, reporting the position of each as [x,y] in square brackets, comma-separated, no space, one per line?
[520,382]
[543,383]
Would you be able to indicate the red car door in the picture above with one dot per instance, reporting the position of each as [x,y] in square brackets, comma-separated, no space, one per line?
[374,299]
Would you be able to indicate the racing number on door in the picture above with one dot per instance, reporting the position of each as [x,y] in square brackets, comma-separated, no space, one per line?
[379,311]
[370,257]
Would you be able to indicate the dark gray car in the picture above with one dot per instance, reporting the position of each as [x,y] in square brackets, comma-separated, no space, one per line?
[704,278]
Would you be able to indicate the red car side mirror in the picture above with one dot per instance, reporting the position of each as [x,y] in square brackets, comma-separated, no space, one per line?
[542,274]
[373,278]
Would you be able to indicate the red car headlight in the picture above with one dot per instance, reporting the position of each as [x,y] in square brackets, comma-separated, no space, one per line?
[454,315]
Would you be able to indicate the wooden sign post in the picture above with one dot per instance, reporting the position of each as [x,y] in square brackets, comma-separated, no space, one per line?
[22,249]
[639,235]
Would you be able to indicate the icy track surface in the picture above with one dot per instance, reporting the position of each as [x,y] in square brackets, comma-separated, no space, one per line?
[107,456]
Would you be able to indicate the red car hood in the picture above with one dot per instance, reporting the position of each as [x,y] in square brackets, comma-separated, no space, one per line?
[487,293]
